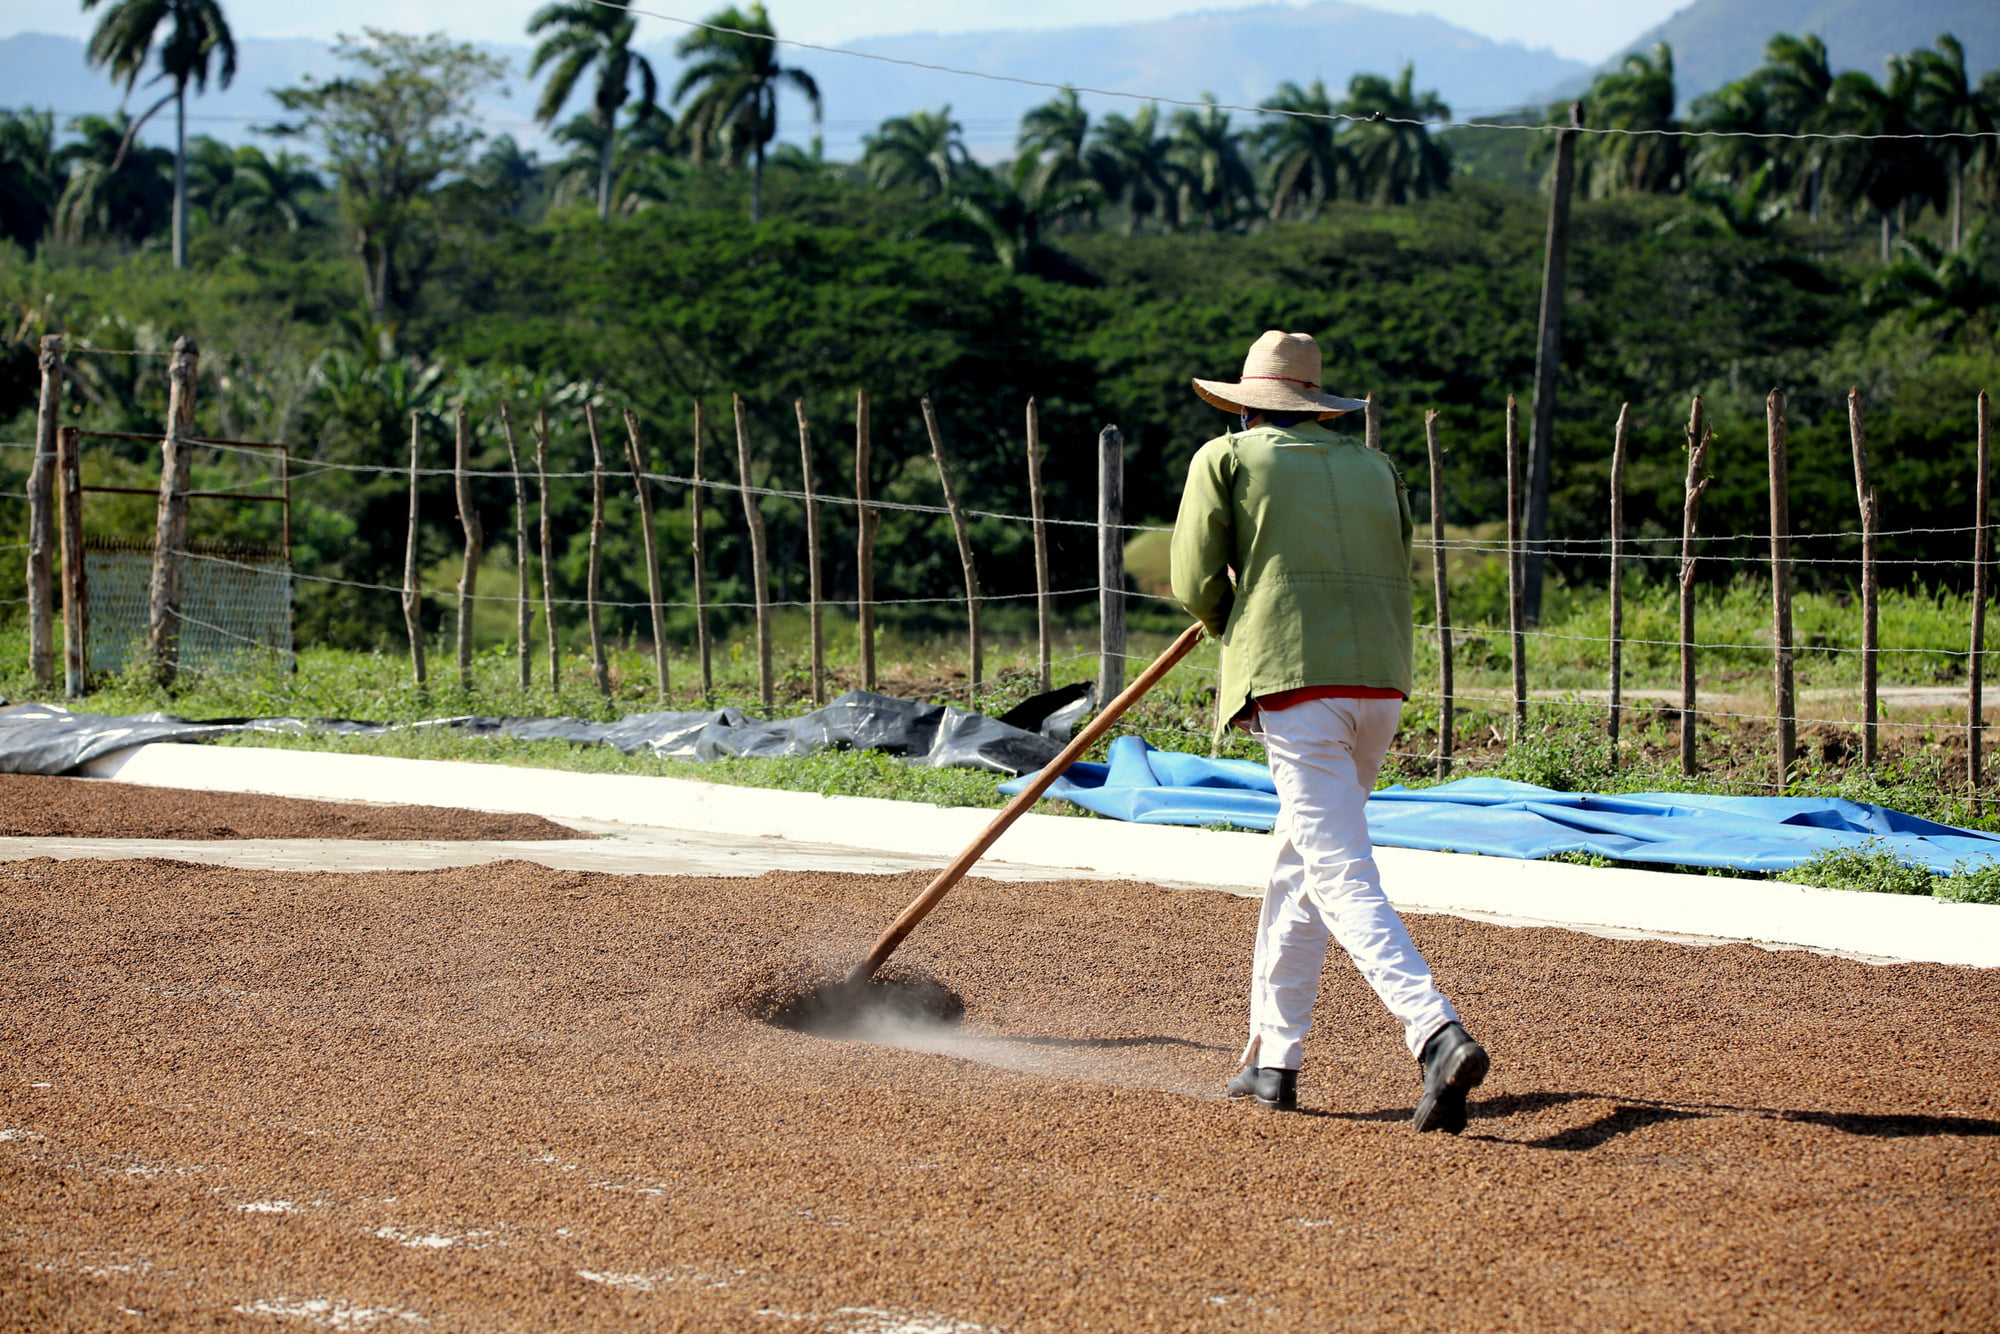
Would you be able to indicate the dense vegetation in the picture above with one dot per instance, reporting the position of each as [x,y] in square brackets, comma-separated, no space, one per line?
[403,265]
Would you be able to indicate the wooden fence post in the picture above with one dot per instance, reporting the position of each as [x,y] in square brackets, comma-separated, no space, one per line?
[547,543]
[1044,607]
[475,543]
[695,503]
[636,455]
[864,544]
[524,616]
[163,610]
[1517,635]
[815,614]
[1371,424]
[1548,365]
[1441,583]
[1110,564]
[600,666]
[1982,553]
[1617,590]
[1865,494]
[413,587]
[42,517]
[1699,435]
[75,585]
[958,528]
[1781,589]
[760,576]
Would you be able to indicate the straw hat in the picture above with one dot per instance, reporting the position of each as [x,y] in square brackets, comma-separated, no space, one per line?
[1281,374]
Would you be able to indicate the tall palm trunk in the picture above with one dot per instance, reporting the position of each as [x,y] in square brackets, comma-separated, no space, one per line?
[180,176]
[604,178]
[757,184]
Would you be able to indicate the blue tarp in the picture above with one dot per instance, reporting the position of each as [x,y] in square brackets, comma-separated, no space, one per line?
[1498,818]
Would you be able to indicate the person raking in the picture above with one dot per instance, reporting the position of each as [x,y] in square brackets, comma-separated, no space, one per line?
[1293,547]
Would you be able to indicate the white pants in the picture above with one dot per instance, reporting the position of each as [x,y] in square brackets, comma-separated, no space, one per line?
[1325,754]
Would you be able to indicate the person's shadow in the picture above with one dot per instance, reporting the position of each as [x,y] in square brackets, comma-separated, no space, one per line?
[1630,1115]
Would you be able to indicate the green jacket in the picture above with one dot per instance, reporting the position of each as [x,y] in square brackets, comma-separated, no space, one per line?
[1316,527]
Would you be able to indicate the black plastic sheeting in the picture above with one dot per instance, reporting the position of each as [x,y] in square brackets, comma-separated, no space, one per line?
[47,739]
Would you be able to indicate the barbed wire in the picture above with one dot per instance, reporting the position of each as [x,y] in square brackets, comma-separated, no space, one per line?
[512,599]
[1501,632]
[1602,545]
[1501,702]
[1349,117]
[1561,546]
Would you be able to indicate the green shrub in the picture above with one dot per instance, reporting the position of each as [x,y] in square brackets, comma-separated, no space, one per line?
[1568,759]
[1871,869]
[1969,884]
[1580,859]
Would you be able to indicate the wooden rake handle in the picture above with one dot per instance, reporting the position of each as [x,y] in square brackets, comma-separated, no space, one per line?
[1026,798]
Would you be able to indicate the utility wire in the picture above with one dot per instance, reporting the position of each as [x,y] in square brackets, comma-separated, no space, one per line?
[1350,117]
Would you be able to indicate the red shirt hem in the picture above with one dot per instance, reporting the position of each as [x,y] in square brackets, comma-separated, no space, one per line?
[1285,699]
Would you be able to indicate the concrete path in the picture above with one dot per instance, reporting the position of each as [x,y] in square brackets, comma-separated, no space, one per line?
[800,829]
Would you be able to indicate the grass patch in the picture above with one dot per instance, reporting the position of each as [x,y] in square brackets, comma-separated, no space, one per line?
[1874,869]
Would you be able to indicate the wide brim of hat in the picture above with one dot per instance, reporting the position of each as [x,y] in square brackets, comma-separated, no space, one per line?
[1273,396]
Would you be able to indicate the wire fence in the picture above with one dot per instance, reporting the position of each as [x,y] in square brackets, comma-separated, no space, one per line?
[1109,588]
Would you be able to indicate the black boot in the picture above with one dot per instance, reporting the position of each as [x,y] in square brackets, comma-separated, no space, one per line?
[1454,1065]
[1274,1089]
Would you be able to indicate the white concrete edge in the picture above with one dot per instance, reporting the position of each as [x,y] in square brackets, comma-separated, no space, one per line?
[1879,926]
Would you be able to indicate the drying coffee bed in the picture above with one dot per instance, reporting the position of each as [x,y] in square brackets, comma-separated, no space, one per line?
[509,1098]
[37,807]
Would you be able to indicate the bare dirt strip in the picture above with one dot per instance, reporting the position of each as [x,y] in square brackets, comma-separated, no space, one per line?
[38,807]
[509,1098]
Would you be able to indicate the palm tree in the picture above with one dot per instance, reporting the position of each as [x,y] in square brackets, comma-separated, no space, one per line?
[30,176]
[735,112]
[925,149]
[124,40]
[505,173]
[1215,177]
[1306,160]
[1884,174]
[1749,210]
[1134,163]
[1637,96]
[264,193]
[1396,160]
[579,174]
[1013,211]
[1797,80]
[582,33]
[112,190]
[644,155]
[1736,113]
[1948,103]
[1054,132]
[653,149]
[1928,283]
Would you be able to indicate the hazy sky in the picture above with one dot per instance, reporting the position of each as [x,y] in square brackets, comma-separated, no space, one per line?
[1581,29]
